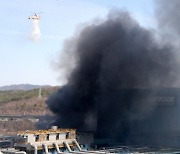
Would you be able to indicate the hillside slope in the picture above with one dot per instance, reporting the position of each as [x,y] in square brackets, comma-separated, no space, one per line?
[25,102]
[22,87]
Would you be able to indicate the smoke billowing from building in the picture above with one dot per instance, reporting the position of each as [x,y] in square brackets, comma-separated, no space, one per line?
[111,58]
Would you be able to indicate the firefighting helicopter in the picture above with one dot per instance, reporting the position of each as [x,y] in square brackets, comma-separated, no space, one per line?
[35,16]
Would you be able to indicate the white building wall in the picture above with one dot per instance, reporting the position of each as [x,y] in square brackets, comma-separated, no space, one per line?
[52,137]
[62,136]
[31,138]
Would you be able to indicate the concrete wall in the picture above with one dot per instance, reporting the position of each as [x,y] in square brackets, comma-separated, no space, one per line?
[62,136]
[31,138]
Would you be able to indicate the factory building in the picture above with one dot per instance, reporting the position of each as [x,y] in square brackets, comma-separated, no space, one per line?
[161,124]
[150,117]
[46,141]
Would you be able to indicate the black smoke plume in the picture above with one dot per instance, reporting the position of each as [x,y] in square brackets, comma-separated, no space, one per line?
[168,16]
[112,58]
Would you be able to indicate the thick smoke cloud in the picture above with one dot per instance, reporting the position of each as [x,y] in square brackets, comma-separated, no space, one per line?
[168,16]
[168,19]
[111,59]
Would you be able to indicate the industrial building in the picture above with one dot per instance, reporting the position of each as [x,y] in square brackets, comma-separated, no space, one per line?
[141,117]
[45,141]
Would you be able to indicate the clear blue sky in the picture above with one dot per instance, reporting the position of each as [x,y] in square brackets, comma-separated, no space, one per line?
[25,61]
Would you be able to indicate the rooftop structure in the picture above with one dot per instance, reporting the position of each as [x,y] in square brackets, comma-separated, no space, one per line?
[54,139]
[45,139]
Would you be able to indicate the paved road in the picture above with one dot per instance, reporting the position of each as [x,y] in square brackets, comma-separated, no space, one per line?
[28,116]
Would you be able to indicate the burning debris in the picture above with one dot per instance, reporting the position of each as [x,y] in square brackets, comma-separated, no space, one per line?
[111,60]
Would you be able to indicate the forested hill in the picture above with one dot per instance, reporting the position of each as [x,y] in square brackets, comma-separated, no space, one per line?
[25,102]
[22,87]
